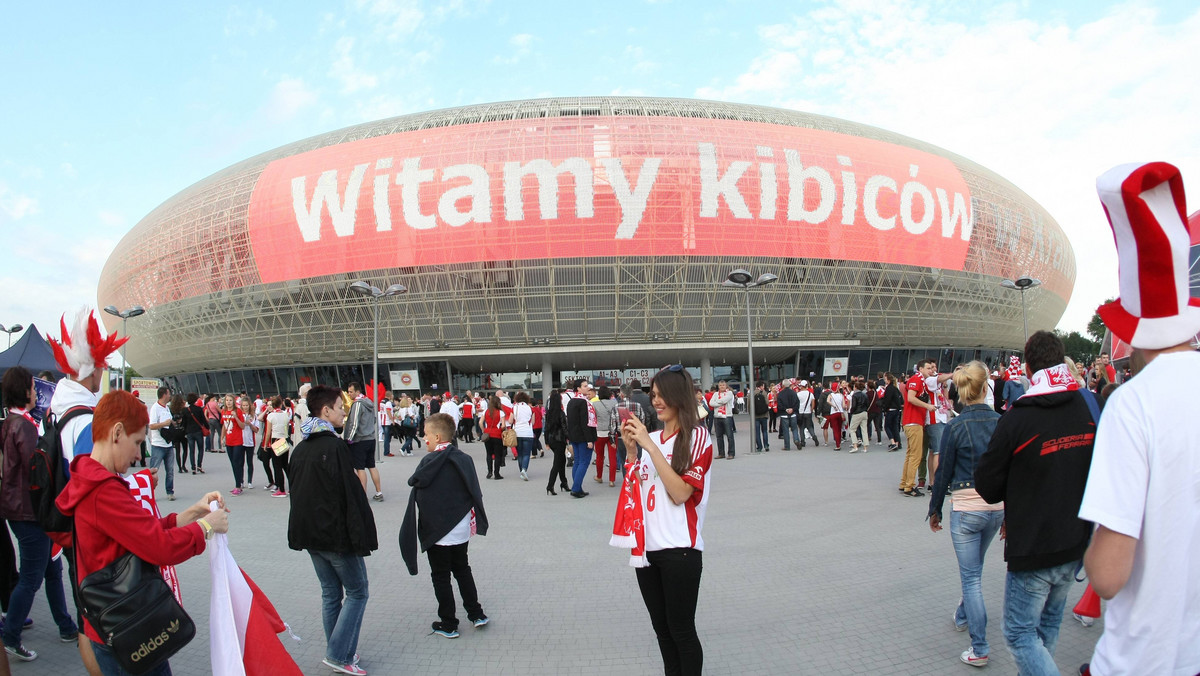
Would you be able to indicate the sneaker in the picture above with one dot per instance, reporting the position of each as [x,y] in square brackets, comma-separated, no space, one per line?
[69,638]
[279,494]
[378,497]
[236,491]
[1084,620]
[525,475]
[914,493]
[969,657]
[21,652]
[480,623]
[171,497]
[268,487]
[249,485]
[921,483]
[345,668]
[957,626]
[28,622]
[442,630]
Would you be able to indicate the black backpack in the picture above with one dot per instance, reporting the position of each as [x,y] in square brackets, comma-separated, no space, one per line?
[48,472]
[823,404]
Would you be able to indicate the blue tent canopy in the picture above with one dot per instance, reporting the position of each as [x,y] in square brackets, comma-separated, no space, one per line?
[31,351]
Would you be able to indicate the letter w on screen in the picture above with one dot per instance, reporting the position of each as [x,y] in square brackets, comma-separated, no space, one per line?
[522,189]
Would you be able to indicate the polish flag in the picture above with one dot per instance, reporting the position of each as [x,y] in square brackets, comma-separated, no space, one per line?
[243,625]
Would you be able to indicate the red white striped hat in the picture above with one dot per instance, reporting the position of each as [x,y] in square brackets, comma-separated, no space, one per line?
[1145,207]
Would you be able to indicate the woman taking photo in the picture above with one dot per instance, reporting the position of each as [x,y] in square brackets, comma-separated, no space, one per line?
[108,520]
[493,430]
[523,426]
[555,426]
[673,472]
[18,438]
[973,522]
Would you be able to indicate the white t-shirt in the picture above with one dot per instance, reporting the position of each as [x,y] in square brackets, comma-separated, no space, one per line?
[669,525]
[938,393]
[523,420]
[806,402]
[837,403]
[385,417]
[451,409]
[159,414]
[1144,482]
[277,422]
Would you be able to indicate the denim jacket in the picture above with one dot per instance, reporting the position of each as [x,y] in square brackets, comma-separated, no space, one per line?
[965,439]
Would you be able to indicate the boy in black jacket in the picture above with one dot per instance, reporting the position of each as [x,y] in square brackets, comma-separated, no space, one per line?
[1037,462]
[445,488]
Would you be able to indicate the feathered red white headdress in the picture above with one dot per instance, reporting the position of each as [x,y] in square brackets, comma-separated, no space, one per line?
[84,346]
[1145,207]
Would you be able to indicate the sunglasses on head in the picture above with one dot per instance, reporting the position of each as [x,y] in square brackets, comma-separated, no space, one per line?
[673,368]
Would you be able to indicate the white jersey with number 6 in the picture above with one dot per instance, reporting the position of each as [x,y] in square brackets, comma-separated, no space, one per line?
[669,525]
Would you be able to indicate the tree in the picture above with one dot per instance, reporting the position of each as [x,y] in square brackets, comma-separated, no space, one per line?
[1079,348]
[1095,328]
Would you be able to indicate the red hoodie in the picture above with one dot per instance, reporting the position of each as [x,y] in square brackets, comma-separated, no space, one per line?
[108,523]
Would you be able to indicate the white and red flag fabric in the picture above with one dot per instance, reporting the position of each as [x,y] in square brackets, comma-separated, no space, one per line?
[629,526]
[244,627]
[141,486]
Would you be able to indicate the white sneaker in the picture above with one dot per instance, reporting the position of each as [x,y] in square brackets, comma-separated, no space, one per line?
[1084,620]
[969,657]
[524,475]
[249,485]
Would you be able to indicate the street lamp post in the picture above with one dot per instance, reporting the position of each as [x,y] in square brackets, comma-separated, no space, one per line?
[741,279]
[15,328]
[1021,284]
[365,289]
[125,315]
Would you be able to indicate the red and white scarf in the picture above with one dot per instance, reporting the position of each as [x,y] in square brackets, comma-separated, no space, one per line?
[1052,380]
[629,528]
[141,485]
[1014,370]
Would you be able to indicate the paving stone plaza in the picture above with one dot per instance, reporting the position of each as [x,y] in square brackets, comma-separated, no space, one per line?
[814,564]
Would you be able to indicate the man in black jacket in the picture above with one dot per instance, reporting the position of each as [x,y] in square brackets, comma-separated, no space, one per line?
[1037,463]
[331,519]
[445,489]
[788,405]
[581,430]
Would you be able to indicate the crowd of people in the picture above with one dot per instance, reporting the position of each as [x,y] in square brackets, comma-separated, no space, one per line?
[1076,473]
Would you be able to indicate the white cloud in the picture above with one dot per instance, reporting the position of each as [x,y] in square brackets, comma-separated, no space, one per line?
[68,170]
[14,205]
[1048,106]
[76,264]
[242,22]
[288,97]
[519,47]
[343,69]
[397,19]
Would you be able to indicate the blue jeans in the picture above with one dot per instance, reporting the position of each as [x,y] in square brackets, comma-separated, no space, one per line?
[236,462]
[36,566]
[341,615]
[579,467]
[195,442]
[524,450]
[790,428]
[891,425]
[109,666]
[971,533]
[1033,610]
[164,455]
[761,442]
[387,441]
[722,430]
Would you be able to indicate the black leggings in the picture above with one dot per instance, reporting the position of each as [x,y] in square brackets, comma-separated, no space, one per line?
[280,463]
[494,448]
[559,468]
[670,586]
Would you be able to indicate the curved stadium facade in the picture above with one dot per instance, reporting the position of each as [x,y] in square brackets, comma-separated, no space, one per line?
[578,234]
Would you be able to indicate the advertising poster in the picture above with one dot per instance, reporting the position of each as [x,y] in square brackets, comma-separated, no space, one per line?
[835,367]
[405,381]
[43,390]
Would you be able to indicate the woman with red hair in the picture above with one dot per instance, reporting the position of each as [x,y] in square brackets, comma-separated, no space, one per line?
[108,520]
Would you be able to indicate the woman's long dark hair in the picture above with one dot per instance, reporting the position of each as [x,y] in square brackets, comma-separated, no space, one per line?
[676,390]
[554,403]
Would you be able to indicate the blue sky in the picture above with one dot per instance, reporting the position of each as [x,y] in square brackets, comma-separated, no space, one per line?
[112,108]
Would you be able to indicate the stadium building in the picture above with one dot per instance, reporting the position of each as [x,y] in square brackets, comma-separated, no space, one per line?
[546,237]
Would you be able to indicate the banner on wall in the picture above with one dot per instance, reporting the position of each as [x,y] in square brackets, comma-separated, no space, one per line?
[605,186]
[835,367]
[405,381]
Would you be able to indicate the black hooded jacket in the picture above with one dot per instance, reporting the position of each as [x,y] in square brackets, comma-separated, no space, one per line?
[1037,462]
[329,510]
[445,488]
